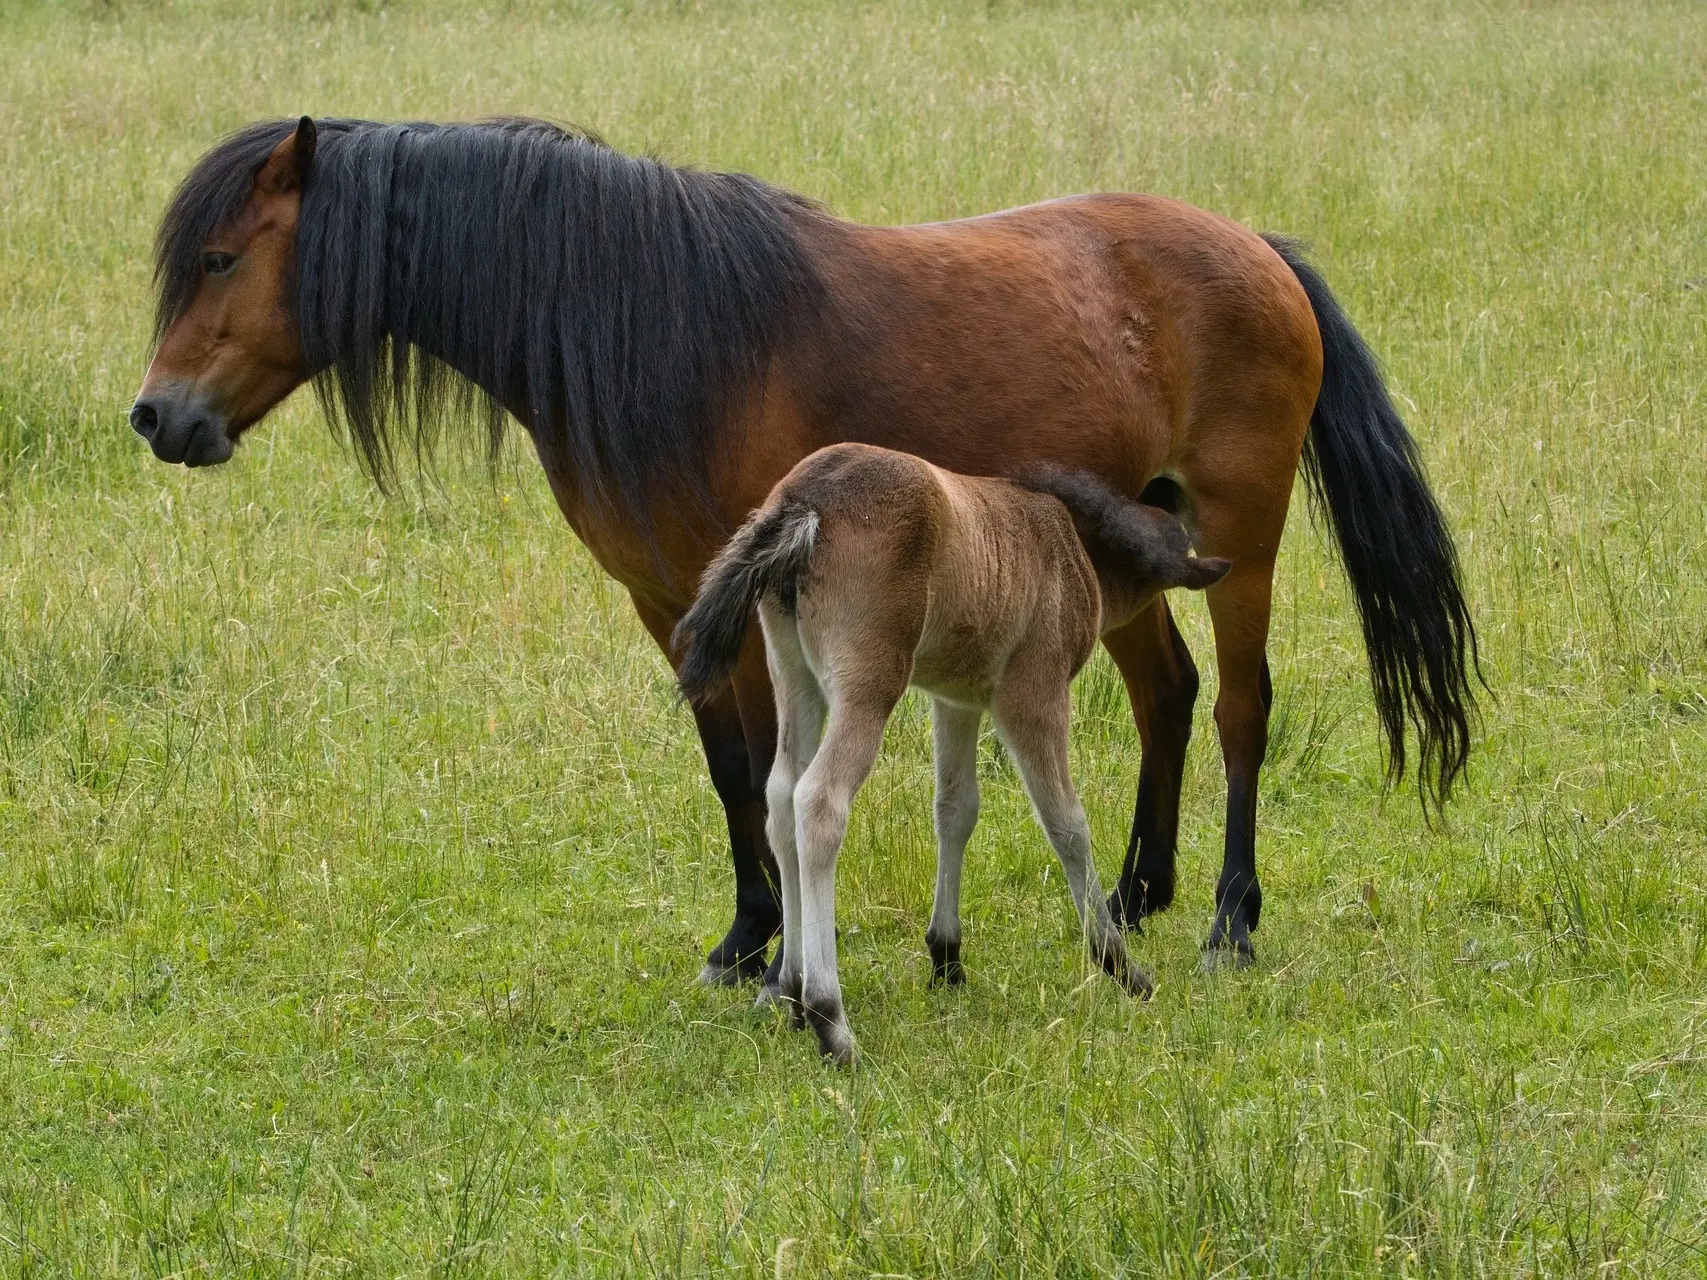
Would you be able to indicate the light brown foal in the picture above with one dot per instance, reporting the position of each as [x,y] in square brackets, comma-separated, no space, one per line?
[873,570]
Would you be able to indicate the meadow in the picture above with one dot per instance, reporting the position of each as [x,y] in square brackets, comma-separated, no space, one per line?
[357,859]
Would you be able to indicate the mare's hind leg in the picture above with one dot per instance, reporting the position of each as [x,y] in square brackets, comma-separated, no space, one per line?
[1240,479]
[822,799]
[954,731]
[1161,682]
[1239,608]
[800,724]
[1034,729]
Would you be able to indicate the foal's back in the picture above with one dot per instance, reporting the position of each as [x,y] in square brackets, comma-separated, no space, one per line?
[968,575]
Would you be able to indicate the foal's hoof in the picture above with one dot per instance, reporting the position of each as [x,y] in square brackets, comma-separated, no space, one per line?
[951,974]
[837,1044]
[946,969]
[1133,980]
[1138,984]
[1226,955]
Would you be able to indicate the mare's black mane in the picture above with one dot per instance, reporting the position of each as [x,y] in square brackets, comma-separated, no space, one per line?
[618,305]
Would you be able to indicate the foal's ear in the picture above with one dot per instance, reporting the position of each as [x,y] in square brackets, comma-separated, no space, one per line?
[287,168]
[1204,571]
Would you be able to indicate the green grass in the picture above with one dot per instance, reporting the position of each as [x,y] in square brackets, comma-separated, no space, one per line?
[356,861]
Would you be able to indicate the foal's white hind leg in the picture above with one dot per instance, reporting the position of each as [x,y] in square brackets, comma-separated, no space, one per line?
[821,802]
[800,723]
[1036,737]
[954,731]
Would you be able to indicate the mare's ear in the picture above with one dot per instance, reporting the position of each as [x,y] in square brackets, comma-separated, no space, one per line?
[1204,571]
[287,168]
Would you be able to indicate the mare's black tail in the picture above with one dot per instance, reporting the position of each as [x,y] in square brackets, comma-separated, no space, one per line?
[1363,471]
[768,555]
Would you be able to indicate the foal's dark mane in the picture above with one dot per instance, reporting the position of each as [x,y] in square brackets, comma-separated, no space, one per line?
[618,305]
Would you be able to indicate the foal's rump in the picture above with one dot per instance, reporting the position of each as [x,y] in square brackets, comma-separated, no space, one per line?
[768,555]
[887,510]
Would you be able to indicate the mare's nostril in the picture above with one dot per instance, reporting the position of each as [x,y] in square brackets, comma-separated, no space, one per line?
[143,420]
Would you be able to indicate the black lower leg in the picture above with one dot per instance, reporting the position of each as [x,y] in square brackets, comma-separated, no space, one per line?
[1164,695]
[1146,882]
[740,956]
[758,904]
[1238,894]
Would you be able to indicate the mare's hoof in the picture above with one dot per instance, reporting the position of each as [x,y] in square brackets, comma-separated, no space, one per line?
[720,973]
[1129,912]
[1226,955]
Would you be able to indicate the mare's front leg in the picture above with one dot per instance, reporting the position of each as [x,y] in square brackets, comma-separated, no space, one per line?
[1032,720]
[954,731]
[1161,683]
[737,734]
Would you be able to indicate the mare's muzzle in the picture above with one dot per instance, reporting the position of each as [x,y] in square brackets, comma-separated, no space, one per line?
[181,429]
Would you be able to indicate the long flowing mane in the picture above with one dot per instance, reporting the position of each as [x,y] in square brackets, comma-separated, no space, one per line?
[617,304]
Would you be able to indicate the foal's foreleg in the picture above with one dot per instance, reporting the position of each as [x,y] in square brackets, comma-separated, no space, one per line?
[954,731]
[1036,737]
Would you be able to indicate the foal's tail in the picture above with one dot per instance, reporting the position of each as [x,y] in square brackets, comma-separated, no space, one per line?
[1363,470]
[767,556]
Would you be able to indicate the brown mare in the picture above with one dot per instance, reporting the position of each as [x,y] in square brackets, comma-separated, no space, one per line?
[871,571]
[673,342]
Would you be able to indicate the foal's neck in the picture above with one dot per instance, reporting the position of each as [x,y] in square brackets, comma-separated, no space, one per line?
[1122,599]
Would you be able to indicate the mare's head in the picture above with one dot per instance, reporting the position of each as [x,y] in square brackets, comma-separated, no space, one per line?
[227,347]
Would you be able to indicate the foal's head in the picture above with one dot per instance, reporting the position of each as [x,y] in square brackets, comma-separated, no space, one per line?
[1138,551]
[228,348]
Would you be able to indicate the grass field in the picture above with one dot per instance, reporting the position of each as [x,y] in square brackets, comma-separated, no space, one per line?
[356,861]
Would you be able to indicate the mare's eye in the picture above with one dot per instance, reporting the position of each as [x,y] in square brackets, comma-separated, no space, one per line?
[217,264]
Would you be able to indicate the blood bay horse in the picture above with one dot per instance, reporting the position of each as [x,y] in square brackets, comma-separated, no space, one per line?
[871,571]
[674,341]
